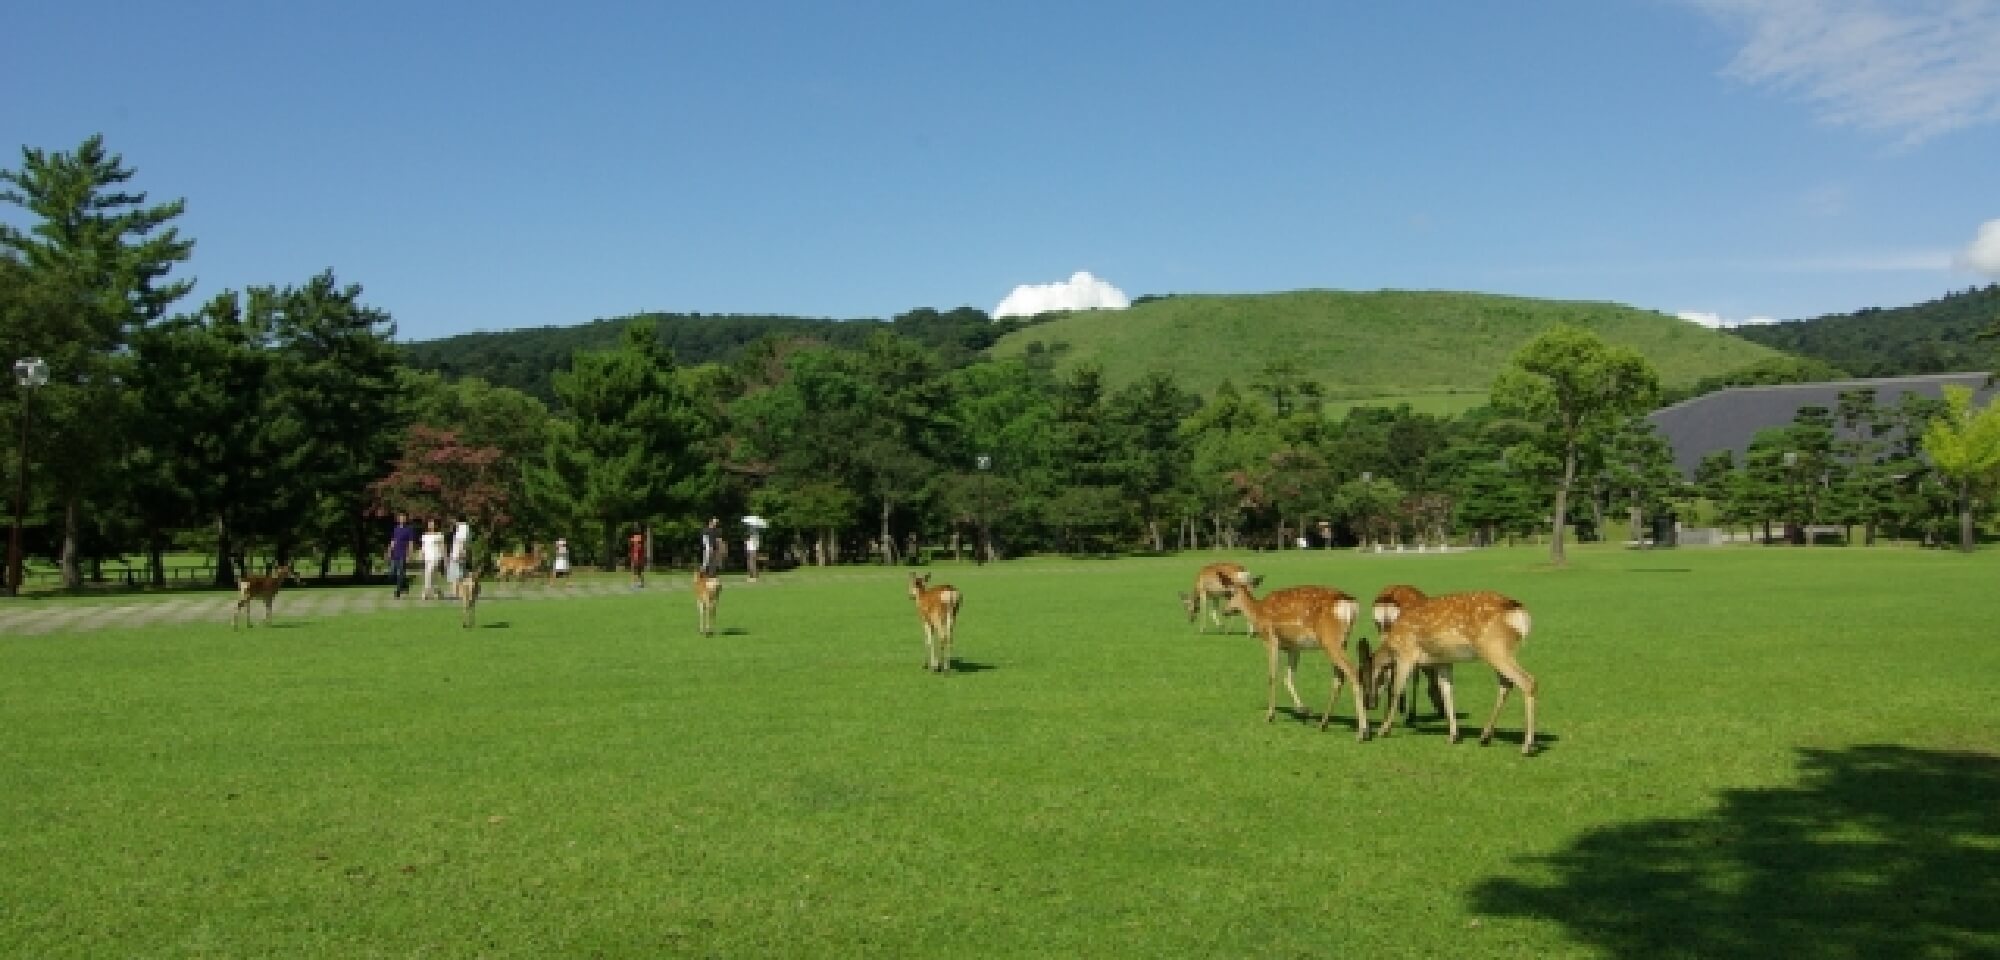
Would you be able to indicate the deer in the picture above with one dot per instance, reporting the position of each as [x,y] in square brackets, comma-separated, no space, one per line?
[937,607]
[707,590]
[1392,602]
[1296,619]
[518,566]
[467,592]
[1456,628]
[1211,591]
[263,587]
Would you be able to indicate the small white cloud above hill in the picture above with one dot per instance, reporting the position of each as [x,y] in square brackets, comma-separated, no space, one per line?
[1718,321]
[1080,292]
[1983,255]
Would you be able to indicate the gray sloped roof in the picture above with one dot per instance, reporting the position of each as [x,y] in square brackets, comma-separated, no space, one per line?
[1728,419]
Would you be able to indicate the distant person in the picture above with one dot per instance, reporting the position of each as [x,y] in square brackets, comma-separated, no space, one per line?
[433,544]
[559,570]
[398,554]
[711,547]
[750,552]
[635,555]
[461,550]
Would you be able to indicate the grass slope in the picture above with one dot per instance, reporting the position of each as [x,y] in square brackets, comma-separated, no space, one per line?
[1438,350]
[1752,753]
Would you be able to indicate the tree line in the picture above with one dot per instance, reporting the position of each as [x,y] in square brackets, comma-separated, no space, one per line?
[282,422]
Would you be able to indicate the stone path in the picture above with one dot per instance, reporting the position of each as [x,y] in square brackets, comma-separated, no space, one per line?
[28,617]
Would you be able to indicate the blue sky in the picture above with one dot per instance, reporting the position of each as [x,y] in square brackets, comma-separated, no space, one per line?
[498,165]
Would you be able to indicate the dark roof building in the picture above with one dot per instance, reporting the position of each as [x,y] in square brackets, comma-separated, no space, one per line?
[1728,419]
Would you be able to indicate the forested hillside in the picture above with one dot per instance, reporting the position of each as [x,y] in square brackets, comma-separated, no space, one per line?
[1938,336]
[525,359]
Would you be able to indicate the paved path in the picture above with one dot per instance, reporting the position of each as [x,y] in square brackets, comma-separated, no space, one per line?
[20,617]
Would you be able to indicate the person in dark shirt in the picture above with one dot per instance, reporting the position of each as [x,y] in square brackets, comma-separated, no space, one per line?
[399,553]
[711,547]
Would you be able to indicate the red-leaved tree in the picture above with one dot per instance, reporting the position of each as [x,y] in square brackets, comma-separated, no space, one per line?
[438,476]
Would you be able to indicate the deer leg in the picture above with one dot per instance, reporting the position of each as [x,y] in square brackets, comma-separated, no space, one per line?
[1510,676]
[1440,677]
[1270,678]
[1291,670]
[1438,702]
[1397,688]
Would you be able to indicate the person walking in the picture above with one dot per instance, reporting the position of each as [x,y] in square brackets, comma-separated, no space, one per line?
[433,546]
[559,569]
[461,550]
[750,551]
[711,547]
[398,553]
[635,556]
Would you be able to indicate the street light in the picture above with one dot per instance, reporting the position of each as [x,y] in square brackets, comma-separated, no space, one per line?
[985,537]
[28,374]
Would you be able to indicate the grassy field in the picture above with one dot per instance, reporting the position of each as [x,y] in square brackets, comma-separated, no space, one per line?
[1378,346]
[1749,753]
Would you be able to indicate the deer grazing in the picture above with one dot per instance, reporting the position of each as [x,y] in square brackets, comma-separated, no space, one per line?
[1392,602]
[707,590]
[938,608]
[1296,619]
[265,588]
[1456,628]
[1211,591]
[467,592]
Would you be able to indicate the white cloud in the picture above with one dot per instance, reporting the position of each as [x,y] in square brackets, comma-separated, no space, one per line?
[1080,292]
[1983,255]
[1913,69]
[1718,321]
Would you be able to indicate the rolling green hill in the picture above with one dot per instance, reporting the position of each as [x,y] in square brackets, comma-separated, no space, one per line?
[1437,351]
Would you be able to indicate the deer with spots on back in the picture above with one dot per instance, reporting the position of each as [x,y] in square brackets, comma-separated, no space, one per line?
[1211,591]
[1301,618]
[938,608]
[263,587]
[1457,628]
[1391,603]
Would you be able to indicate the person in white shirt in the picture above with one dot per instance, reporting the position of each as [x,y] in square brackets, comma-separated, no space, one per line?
[560,568]
[461,548]
[433,544]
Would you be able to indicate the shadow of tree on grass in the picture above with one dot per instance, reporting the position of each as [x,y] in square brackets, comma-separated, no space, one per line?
[1880,851]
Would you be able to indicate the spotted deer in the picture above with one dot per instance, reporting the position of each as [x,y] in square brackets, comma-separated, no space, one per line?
[707,590]
[1391,603]
[937,607]
[1456,628]
[265,588]
[1211,591]
[1302,618]
[467,592]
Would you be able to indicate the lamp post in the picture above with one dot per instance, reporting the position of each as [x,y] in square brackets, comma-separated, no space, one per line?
[29,374]
[985,550]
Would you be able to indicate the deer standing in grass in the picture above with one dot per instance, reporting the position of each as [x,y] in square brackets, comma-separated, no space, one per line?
[1211,591]
[1391,603]
[1301,618]
[707,590]
[263,588]
[1456,628]
[466,589]
[938,608]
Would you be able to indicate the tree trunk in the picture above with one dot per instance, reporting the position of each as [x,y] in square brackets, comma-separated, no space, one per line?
[888,539]
[225,572]
[1965,526]
[156,561]
[72,574]
[1637,519]
[1556,536]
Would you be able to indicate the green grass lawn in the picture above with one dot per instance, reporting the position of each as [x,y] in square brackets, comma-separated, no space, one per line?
[1749,753]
